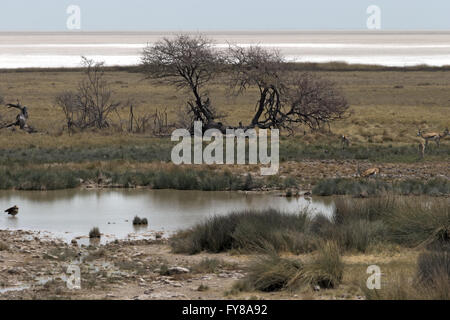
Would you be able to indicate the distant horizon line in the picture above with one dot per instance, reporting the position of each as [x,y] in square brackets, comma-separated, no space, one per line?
[424,31]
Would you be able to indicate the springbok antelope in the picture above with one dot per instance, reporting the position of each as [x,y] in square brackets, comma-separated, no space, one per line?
[422,149]
[371,172]
[436,136]
[345,142]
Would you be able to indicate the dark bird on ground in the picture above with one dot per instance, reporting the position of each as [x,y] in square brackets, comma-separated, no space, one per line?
[13,210]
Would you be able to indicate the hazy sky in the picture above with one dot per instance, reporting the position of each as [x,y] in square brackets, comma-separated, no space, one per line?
[178,15]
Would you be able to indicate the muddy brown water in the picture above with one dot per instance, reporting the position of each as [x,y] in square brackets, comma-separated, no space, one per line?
[68,214]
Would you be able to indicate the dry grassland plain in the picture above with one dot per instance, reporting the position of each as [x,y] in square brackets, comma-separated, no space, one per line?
[387,107]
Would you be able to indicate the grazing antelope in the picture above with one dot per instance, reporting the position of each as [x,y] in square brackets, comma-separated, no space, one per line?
[371,172]
[436,136]
[345,142]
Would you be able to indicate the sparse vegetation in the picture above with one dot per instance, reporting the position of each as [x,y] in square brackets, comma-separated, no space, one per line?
[429,281]
[207,265]
[202,288]
[171,178]
[211,265]
[273,273]
[140,221]
[94,233]
[327,268]
[387,105]
[92,104]
[95,254]
[433,268]
[345,186]
[247,231]
[4,246]
[61,254]
[357,225]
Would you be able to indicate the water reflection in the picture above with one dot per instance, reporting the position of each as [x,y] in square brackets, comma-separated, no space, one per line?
[70,213]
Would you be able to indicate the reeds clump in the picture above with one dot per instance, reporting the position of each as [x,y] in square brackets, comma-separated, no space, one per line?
[416,222]
[94,233]
[357,225]
[271,272]
[246,231]
[140,221]
[433,268]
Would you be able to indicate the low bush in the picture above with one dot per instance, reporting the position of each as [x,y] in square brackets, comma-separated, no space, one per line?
[357,225]
[208,265]
[431,281]
[94,233]
[273,273]
[433,268]
[140,222]
[416,222]
[248,231]
[327,268]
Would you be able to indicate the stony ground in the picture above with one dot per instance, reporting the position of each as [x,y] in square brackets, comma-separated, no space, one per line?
[35,266]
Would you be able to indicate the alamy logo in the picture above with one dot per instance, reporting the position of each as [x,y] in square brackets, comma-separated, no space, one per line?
[374,20]
[74,19]
[73,282]
[213,152]
[374,281]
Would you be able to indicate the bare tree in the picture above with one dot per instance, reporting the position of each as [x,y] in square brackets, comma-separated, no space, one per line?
[260,68]
[96,94]
[284,102]
[310,100]
[70,104]
[187,63]
[93,103]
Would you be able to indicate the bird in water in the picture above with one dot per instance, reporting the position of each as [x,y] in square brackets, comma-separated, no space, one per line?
[13,211]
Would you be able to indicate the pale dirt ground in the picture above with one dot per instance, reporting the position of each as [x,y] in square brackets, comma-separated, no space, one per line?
[34,266]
